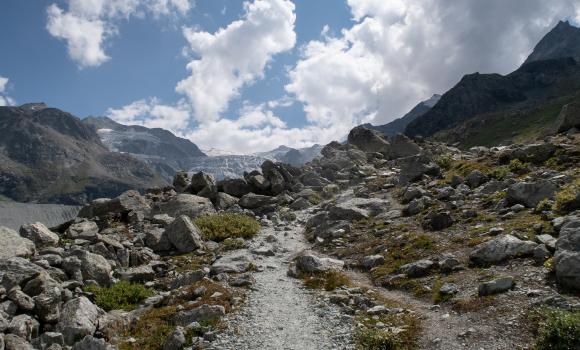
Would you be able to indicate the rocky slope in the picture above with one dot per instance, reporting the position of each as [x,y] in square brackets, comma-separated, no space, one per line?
[162,150]
[562,41]
[433,248]
[48,155]
[530,97]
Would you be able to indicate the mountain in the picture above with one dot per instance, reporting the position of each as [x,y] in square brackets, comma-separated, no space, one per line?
[50,156]
[292,156]
[536,86]
[222,167]
[398,126]
[161,149]
[562,41]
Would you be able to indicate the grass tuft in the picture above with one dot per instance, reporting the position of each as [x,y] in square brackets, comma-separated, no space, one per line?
[329,280]
[222,226]
[557,329]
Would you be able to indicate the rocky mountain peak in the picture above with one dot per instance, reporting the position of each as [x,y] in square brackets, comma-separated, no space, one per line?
[562,41]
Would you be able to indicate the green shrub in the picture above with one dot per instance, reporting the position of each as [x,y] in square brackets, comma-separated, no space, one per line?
[329,280]
[499,173]
[568,199]
[219,227]
[560,330]
[444,161]
[120,296]
[518,167]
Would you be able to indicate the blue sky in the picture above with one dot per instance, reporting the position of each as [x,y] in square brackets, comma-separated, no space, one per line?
[283,72]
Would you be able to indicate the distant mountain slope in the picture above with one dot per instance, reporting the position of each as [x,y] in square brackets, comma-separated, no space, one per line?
[562,41]
[161,149]
[398,126]
[50,156]
[222,167]
[292,156]
[533,85]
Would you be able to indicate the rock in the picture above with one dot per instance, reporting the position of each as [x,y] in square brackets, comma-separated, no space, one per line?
[39,234]
[417,269]
[313,179]
[176,340]
[415,168]
[235,187]
[496,286]
[449,264]
[448,289]
[187,278]
[203,181]
[185,204]
[14,342]
[259,182]
[184,235]
[129,201]
[567,256]
[499,249]
[78,319]
[310,263]
[401,146]
[437,221]
[83,229]
[300,204]
[24,326]
[370,141]
[417,205]
[531,193]
[378,310]
[16,270]
[156,238]
[137,274]
[412,193]
[23,301]
[537,153]
[203,313]
[225,201]
[569,117]
[48,339]
[357,208]
[373,261]
[475,179]
[181,181]
[253,201]
[541,254]
[238,263]
[13,245]
[94,267]
[91,343]
[547,240]
[245,280]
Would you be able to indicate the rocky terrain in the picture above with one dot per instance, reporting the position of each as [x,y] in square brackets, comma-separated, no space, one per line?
[382,243]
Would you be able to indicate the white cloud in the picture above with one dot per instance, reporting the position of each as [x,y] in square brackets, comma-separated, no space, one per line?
[399,52]
[236,55]
[88,24]
[152,114]
[5,100]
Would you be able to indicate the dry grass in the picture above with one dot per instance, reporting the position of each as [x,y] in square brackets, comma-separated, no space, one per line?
[400,332]
[329,280]
[474,304]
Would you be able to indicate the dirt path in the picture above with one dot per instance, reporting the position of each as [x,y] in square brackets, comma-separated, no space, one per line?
[280,313]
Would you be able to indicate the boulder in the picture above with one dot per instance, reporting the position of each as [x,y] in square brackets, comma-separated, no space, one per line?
[24,326]
[224,201]
[83,229]
[78,318]
[531,193]
[127,202]
[418,268]
[401,146]
[234,187]
[253,201]
[476,178]
[203,313]
[176,340]
[415,167]
[181,181]
[536,153]
[93,267]
[237,263]
[300,204]
[91,343]
[184,235]
[496,286]
[39,234]
[369,141]
[14,342]
[14,271]
[259,182]
[13,245]
[313,179]
[156,238]
[310,263]
[437,221]
[357,208]
[569,117]
[371,261]
[185,204]
[567,256]
[203,183]
[499,249]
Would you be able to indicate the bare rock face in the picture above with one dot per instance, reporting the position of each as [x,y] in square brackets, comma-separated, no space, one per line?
[13,245]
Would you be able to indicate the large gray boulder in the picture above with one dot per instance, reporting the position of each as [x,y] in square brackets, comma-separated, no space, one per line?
[94,267]
[253,201]
[224,201]
[39,234]
[14,342]
[12,244]
[185,204]
[203,184]
[237,263]
[401,146]
[496,286]
[14,271]
[370,141]
[500,249]
[418,268]
[415,167]
[357,208]
[83,229]
[310,263]
[569,117]
[156,239]
[127,202]
[531,193]
[313,179]
[184,235]
[203,313]
[181,181]
[78,318]
[567,256]
[234,187]
[91,343]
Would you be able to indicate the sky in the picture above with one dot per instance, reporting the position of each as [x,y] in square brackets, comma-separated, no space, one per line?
[248,76]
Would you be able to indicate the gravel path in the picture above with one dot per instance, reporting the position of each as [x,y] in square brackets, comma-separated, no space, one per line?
[280,313]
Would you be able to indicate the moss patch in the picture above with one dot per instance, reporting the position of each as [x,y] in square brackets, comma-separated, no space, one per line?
[120,296]
[222,226]
[329,280]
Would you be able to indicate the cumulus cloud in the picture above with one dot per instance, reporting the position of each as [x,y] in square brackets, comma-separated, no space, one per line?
[152,113]
[4,100]
[399,52]
[87,25]
[235,56]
